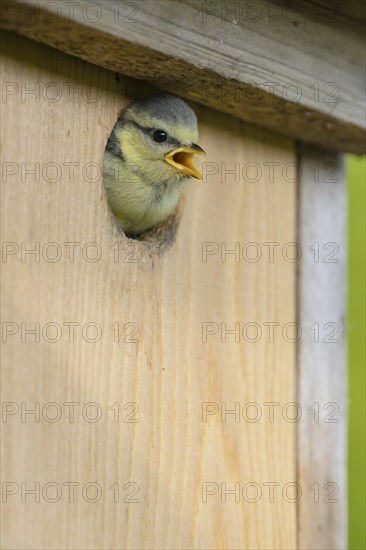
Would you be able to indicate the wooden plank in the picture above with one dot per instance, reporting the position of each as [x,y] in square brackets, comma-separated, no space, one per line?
[284,67]
[322,355]
[171,453]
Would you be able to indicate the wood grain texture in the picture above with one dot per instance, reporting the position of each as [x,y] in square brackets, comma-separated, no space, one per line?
[353,9]
[322,441]
[296,68]
[170,371]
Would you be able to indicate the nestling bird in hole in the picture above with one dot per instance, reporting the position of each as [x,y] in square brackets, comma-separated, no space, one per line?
[148,160]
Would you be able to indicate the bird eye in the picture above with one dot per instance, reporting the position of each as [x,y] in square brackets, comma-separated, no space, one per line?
[160,136]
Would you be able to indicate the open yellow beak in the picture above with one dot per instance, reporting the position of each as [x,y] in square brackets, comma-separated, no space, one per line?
[181,160]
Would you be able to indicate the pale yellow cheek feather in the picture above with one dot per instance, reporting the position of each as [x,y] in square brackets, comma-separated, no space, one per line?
[133,146]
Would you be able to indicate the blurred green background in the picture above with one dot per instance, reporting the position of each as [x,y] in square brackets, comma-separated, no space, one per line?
[356,183]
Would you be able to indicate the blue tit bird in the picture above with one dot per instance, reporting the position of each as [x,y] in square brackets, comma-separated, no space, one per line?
[148,160]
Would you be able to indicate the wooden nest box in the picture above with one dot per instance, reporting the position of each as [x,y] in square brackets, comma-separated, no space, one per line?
[187,390]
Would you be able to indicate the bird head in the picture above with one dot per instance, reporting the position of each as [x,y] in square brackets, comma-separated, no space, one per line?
[159,135]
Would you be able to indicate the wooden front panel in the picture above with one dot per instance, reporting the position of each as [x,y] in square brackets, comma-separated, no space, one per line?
[161,300]
[322,454]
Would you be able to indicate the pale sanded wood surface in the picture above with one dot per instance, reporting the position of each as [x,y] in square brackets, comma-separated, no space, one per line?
[297,68]
[170,452]
[322,355]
